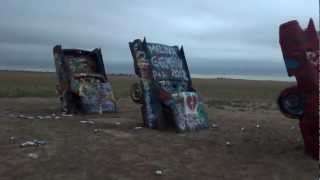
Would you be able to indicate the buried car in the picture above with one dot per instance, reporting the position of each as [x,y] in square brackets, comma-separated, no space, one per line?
[300,50]
[82,82]
[165,88]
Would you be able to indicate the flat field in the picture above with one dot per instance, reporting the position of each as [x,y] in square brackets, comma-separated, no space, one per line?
[253,139]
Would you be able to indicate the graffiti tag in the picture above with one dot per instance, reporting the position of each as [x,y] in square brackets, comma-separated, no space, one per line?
[313,57]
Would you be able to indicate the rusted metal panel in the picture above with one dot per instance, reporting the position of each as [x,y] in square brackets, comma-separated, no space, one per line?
[82,82]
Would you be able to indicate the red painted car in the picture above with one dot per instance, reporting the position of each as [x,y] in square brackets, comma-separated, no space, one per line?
[300,49]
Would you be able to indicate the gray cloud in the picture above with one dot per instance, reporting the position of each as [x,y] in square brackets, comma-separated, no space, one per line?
[210,30]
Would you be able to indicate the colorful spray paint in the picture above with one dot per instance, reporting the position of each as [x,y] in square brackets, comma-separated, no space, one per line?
[166,84]
[82,82]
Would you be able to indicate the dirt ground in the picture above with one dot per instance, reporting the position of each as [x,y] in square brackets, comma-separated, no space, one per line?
[250,145]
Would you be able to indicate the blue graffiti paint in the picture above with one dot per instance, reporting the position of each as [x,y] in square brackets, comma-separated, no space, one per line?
[83,84]
[291,63]
[163,68]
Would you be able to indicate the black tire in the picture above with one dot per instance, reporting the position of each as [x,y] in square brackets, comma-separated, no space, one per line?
[136,93]
[292,104]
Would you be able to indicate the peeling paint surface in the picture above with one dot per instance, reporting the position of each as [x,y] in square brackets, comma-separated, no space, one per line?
[83,85]
[165,81]
[96,97]
[190,113]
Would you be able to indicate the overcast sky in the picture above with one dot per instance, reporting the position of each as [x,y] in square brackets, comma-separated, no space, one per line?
[212,31]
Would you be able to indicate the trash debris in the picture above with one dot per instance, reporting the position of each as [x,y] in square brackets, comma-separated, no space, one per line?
[228,143]
[12,138]
[96,130]
[40,142]
[33,155]
[258,126]
[21,116]
[47,117]
[242,129]
[158,172]
[40,116]
[66,115]
[292,128]
[213,125]
[28,143]
[25,117]
[138,127]
[117,123]
[33,143]
[87,122]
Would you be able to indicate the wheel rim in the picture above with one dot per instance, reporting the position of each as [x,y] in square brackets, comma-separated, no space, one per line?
[292,105]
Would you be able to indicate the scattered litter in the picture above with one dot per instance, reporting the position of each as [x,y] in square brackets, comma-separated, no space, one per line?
[23,116]
[52,116]
[138,127]
[242,129]
[33,155]
[214,125]
[158,172]
[66,115]
[12,138]
[96,130]
[228,143]
[258,126]
[117,123]
[292,128]
[87,122]
[28,143]
[40,142]
[33,143]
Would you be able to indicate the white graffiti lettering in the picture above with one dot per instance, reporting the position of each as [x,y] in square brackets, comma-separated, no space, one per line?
[313,57]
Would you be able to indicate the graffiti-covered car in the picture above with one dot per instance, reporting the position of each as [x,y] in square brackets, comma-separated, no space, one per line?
[165,88]
[82,82]
[300,50]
